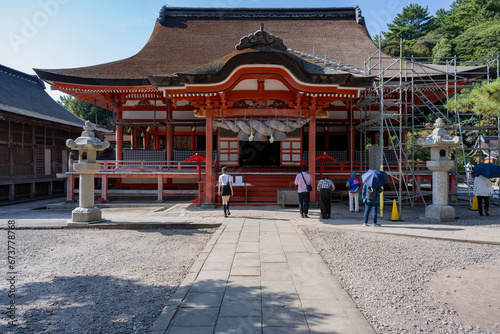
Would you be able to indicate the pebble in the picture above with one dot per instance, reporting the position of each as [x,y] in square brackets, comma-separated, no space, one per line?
[386,273]
[99,281]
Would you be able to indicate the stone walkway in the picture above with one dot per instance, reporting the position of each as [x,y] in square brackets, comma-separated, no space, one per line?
[260,276]
[258,273]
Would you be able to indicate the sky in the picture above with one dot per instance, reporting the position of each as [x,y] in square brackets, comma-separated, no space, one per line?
[73,33]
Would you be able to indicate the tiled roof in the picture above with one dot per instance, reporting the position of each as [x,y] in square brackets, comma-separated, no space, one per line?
[25,95]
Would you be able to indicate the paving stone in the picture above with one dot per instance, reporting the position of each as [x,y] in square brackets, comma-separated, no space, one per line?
[203,299]
[286,330]
[238,325]
[191,330]
[279,316]
[239,307]
[195,317]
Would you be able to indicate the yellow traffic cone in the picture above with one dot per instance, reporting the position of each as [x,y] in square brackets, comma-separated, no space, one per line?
[474,204]
[395,214]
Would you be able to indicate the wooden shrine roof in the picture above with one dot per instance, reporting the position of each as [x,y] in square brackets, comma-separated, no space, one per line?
[202,40]
[24,95]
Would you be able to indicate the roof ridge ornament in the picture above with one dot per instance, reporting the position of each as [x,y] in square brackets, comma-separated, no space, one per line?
[261,38]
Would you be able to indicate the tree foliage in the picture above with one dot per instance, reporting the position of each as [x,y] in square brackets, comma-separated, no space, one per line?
[482,100]
[87,111]
[411,24]
[469,28]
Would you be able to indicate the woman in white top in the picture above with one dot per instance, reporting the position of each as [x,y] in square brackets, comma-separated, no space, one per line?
[483,190]
[226,184]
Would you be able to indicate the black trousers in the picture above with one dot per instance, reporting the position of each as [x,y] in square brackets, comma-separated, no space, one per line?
[480,200]
[304,203]
[325,202]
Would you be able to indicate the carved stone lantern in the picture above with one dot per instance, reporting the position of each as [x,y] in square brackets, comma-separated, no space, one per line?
[439,143]
[87,146]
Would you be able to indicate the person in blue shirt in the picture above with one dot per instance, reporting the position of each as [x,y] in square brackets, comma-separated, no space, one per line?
[353,185]
[371,198]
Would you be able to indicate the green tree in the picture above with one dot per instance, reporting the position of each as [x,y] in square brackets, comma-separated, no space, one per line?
[482,100]
[465,14]
[87,111]
[479,41]
[412,23]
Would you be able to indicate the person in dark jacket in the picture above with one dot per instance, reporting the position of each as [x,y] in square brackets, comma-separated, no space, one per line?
[371,198]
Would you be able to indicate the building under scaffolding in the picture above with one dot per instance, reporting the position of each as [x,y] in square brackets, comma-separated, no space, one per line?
[404,103]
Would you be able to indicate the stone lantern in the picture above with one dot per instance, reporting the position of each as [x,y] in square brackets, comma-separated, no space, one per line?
[87,145]
[439,143]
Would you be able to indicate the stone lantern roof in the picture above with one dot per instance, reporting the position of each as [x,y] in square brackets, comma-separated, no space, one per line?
[439,137]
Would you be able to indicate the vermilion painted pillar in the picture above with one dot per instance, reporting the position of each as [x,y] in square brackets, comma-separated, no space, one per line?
[209,157]
[170,142]
[157,142]
[133,139]
[119,137]
[145,140]
[350,141]
[312,156]
[119,142]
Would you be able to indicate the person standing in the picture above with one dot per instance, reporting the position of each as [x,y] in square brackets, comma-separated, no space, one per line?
[483,190]
[325,188]
[353,186]
[226,184]
[371,199]
[303,180]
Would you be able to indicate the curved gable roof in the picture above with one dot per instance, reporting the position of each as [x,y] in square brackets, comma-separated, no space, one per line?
[187,38]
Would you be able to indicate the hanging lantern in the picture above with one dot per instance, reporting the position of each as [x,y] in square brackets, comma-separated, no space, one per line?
[271,139]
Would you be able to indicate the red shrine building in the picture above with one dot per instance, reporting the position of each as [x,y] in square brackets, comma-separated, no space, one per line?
[262,91]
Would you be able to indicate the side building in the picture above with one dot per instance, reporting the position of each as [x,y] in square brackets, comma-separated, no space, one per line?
[33,134]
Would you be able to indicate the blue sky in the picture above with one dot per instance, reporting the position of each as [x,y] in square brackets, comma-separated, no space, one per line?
[74,33]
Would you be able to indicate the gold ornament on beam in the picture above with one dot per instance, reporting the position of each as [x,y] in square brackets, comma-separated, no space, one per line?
[320,113]
[200,112]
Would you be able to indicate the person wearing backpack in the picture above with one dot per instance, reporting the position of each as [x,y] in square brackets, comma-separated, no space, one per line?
[303,180]
[371,198]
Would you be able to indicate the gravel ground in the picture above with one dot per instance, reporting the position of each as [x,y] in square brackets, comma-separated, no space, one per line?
[96,281]
[400,283]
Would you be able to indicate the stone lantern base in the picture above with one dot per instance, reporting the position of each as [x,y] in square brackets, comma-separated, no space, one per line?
[440,212]
[86,215]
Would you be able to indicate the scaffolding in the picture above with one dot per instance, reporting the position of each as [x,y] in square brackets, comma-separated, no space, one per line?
[404,101]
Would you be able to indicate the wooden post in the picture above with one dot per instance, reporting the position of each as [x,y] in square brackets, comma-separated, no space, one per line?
[312,157]
[145,140]
[119,142]
[104,187]
[208,155]
[157,142]
[133,139]
[170,142]
[70,188]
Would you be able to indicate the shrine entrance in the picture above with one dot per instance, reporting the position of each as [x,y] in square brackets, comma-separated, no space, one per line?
[259,154]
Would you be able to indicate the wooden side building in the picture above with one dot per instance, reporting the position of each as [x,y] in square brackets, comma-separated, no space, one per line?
[34,129]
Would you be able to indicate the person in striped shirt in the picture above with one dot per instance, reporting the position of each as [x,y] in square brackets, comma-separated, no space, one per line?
[325,188]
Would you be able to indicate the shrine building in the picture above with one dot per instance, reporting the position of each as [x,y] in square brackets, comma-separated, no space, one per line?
[261,91]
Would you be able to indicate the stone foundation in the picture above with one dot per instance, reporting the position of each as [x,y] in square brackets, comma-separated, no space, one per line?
[440,212]
[87,215]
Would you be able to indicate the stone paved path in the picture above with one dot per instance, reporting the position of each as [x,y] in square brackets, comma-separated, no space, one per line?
[260,275]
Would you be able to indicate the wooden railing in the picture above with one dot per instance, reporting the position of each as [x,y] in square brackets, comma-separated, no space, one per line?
[127,165]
